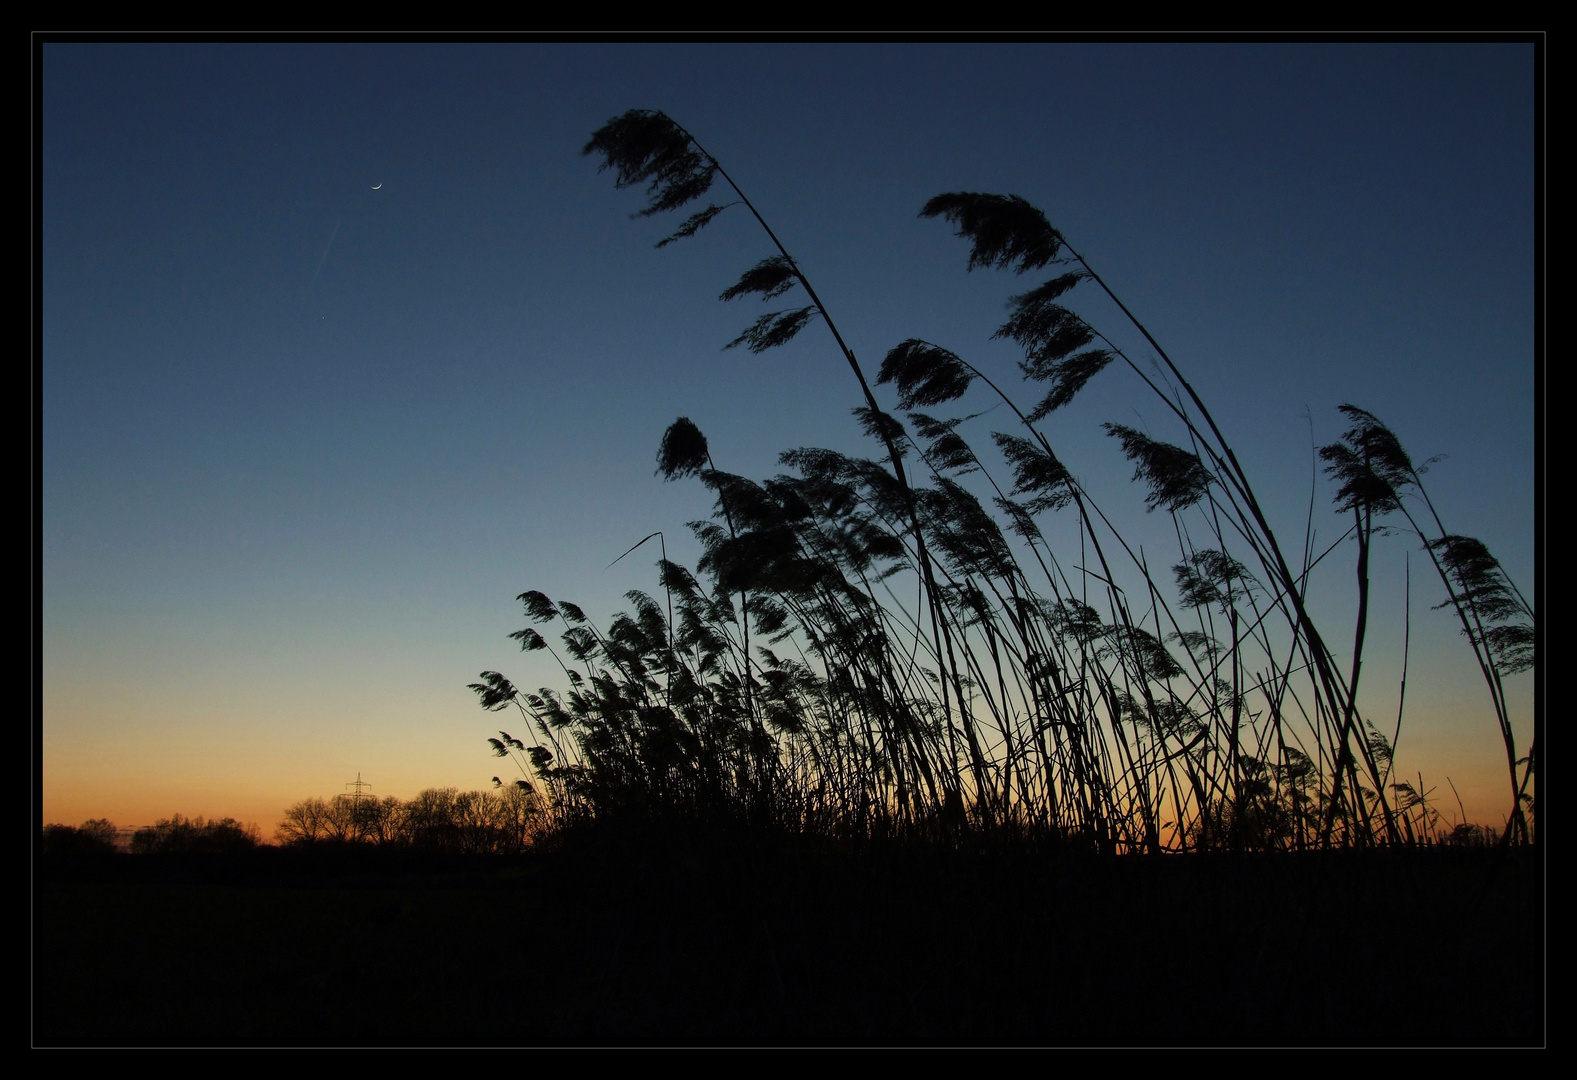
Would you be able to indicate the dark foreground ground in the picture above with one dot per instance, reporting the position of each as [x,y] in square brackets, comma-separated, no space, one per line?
[644,942]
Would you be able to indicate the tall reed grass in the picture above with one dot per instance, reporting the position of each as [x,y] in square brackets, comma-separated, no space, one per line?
[891,645]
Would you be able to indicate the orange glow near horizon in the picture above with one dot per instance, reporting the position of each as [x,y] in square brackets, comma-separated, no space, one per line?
[76,790]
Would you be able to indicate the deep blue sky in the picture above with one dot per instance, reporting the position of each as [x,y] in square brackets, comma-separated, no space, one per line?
[304,440]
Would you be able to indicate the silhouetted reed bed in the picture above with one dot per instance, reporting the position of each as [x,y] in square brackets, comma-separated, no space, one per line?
[644,933]
[891,765]
[892,646]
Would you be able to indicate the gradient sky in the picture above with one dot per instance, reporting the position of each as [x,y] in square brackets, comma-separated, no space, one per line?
[304,441]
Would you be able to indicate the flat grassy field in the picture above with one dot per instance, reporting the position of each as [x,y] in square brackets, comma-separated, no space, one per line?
[706,942]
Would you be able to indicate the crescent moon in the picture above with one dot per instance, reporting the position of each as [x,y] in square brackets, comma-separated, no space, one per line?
[378,185]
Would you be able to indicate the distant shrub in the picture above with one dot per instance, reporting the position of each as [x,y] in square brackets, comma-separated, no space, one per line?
[177,834]
[437,819]
[93,837]
[1470,836]
[470,822]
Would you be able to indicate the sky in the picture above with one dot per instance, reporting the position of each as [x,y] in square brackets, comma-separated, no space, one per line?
[344,346]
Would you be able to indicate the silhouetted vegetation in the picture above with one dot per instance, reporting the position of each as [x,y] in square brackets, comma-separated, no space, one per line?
[445,820]
[892,646]
[95,836]
[670,934]
[177,835]
[864,773]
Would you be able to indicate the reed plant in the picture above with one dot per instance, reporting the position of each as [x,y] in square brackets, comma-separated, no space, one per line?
[891,645]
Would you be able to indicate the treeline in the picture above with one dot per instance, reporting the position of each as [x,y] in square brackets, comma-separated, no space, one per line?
[503,821]
[95,836]
[174,834]
[506,821]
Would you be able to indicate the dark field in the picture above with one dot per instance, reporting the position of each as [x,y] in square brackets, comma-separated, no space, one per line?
[640,942]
